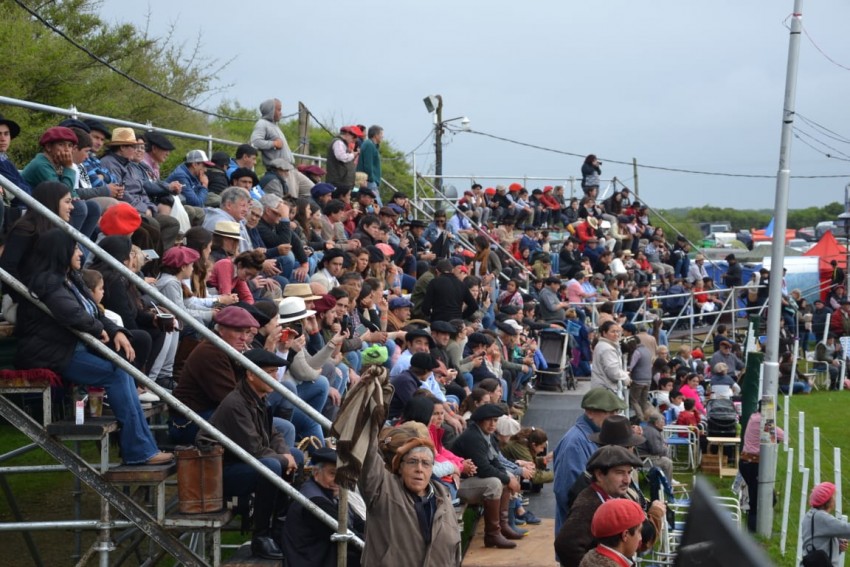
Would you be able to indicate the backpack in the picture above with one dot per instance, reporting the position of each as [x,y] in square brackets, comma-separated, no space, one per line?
[722,418]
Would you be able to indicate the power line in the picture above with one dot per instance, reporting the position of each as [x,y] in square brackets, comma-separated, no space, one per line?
[824,130]
[822,52]
[133,80]
[654,167]
[798,132]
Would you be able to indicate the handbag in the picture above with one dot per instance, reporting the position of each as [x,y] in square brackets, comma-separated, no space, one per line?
[816,557]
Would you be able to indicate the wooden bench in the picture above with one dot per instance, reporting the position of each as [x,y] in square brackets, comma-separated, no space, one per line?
[142,478]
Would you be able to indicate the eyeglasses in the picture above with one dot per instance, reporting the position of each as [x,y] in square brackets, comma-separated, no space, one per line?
[426,464]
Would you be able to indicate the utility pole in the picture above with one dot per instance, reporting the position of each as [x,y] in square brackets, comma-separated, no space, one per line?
[303,129]
[634,170]
[768,446]
[438,145]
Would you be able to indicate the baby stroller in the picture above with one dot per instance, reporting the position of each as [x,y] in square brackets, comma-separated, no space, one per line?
[553,344]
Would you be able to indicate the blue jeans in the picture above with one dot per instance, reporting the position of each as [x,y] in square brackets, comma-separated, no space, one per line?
[183,432]
[355,359]
[315,394]
[85,216]
[137,442]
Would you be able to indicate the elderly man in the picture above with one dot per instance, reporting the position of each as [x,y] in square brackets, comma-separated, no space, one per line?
[243,417]
[209,374]
[576,447]
[479,445]
[235,203]
[306,539]
[734,365]
[342,158]
[269,139]
[611,468]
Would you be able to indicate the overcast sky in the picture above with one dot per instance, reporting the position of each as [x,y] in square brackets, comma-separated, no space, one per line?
[696,85]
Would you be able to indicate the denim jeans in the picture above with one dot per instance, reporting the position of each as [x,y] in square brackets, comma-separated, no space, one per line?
[85,368]
[315,394]
[183,432]
[85,216]
[355,359]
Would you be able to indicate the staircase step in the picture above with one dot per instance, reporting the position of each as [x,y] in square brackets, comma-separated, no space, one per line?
[140,474]
[208,521]
[92,428]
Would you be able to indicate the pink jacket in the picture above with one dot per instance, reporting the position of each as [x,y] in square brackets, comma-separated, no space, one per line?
[443,455]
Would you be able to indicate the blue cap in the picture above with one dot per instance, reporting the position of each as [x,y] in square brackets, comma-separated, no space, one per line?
[399,302]
[321,189]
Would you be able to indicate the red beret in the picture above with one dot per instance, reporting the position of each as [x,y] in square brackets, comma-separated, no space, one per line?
[312,169]
[120,220]
[821,494]
[353,130]
[514,187]
[232,316]
[548,189]
[490,191]
[57,134]
[616,516]
[324,304]
[179,256]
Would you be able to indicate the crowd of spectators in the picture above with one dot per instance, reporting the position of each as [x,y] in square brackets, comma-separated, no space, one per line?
[306,270]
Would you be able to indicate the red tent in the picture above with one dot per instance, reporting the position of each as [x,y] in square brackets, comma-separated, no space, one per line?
[828,249]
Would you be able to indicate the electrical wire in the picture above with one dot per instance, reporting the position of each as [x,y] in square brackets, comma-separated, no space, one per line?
[133,80]
[798,132]
[821,51]
[419,145]
[653,167]
[322,126]
[824,130]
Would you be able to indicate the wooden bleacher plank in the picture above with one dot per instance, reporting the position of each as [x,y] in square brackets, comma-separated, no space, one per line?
[208,521]
[140,474]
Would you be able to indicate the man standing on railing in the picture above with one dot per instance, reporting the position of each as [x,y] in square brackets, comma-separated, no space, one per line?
[269,139]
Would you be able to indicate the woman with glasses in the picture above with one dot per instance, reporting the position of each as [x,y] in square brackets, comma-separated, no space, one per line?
[396,482]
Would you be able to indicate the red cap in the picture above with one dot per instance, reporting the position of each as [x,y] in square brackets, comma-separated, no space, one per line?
[353,130]
[616,516]
[386,249]
[490,191]
[697,353]
[548,189]
[120,219]
[514,187]
[467,253]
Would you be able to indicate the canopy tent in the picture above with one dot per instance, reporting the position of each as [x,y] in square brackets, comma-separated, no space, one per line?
[828,249]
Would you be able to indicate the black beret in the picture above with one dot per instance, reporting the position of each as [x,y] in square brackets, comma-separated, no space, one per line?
[74,123]
[158,140]
[423,361]
[479,339]
[94,124]
[264,358]
[487,411]
[323,455]
[443,327]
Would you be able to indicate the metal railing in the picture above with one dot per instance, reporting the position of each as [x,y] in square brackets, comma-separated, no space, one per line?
[180,312]
[570,182]
[73,112]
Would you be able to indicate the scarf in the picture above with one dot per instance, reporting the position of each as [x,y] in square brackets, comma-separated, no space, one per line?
[360,417]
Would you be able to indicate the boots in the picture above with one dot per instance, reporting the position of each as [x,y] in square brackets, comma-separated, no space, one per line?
[492,532]
[513,505]
[503,516]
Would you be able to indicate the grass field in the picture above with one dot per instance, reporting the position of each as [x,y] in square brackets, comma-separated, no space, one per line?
[828,412]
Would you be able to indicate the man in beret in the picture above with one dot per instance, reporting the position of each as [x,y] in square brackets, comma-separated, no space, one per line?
[417,341]
[242,416]
[399,313]
[575,447]
[479,445]
[611,468]
[422,364]
[306,539]
[616,526]
[209,374]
